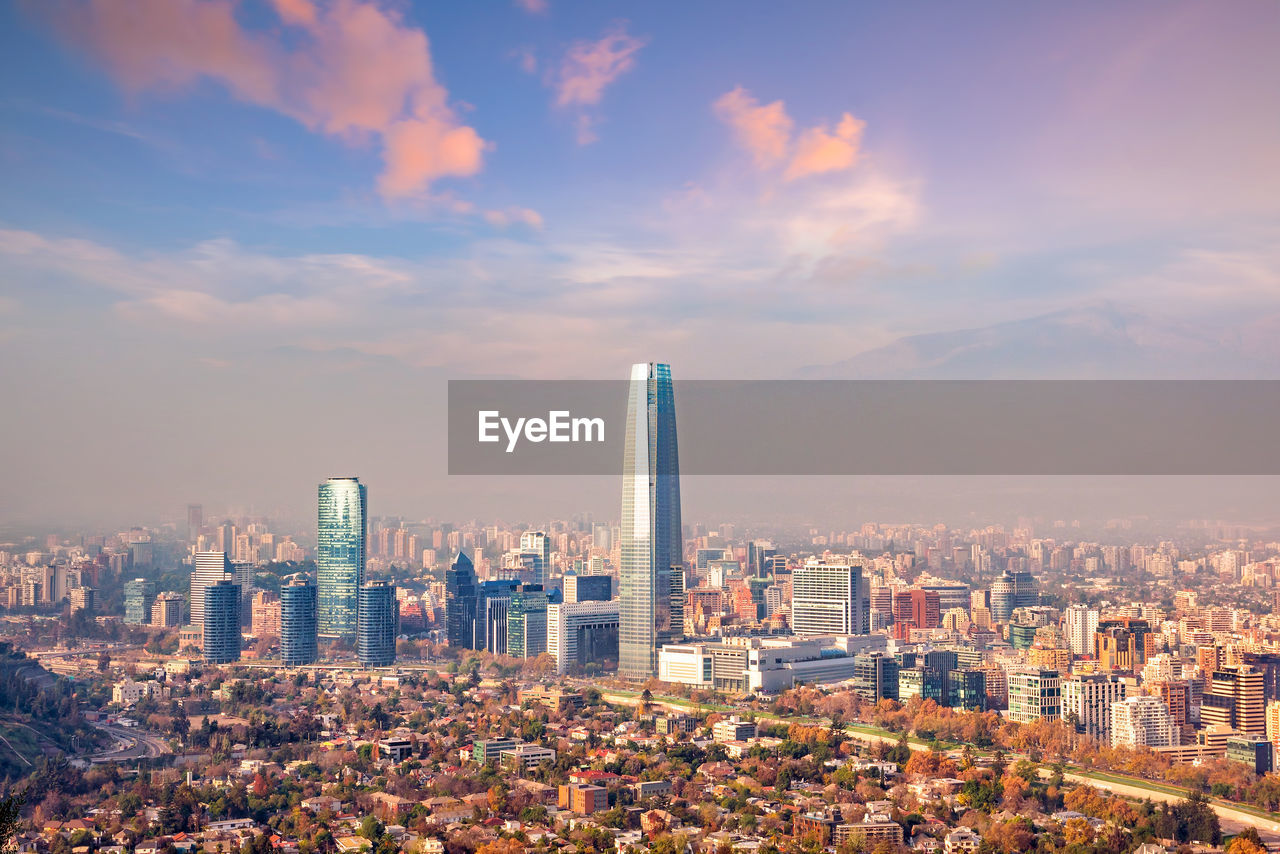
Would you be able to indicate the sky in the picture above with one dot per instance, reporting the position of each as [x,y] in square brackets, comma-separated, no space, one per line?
[244,244]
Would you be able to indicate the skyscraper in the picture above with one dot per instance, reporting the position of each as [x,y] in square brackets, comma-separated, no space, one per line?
[460,602]
[378,623]
[298,621]
[527,622]
[222,622]
[538,544]
[342,532]
[208,568]
[139,593]
[1079,624]
[195,521]
[830,598]
[650,537]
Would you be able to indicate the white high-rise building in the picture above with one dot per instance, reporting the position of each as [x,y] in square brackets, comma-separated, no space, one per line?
[830,598]
[1142,722]
[580,632]
[538,544]
[1079,624]
[1088,700]
[208,568]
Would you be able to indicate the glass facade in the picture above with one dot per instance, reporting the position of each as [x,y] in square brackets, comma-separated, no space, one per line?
[650,536]
[208,568]
[527,622]
[298,622]
[460,604]
[340,555]
[379,622]
[222,622]
[138,596]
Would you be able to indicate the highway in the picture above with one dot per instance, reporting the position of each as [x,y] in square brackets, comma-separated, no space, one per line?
[129,744]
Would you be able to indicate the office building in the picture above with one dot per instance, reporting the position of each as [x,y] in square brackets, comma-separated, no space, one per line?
[264,610]
[207,568]
[1253,751]
[1235,699]
[493,602]
[166,611]
[1034,694]
[341,535]
[1087,702]
[1142,722]
[139,593]
[875,676]
[298,621]
[1080,624]
[967,689]
[830,598]
[587,588]
[917,608]
[195,521]
[765,664]
[460,603]
[377,625]
[538,544]
[1001,598]
[82,599]
[527,622]
[582,633]
[221,623]
[651,536]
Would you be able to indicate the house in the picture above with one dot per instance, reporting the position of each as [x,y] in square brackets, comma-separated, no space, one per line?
[391,808]
[322,803]
[961,841]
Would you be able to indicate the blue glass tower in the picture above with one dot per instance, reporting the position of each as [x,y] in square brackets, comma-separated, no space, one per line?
[378,624]
[222,622]
[298,621]
[460,604]
[651,538]
[340,554]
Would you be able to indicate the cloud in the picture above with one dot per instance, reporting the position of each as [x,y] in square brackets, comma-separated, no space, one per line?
[819,150]
[350,69]
[534,7]
[588,69]
[765,132]
[514,216]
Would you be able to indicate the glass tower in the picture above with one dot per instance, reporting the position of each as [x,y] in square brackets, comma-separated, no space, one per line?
[651,540]
[298,621]
[460,603]
[379,622]
[340,554]
[138,596]
[221,624]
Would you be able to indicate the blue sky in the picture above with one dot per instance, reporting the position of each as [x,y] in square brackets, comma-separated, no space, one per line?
[236,201]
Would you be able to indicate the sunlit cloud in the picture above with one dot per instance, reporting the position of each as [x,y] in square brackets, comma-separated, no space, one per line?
[765,132]
[351,69]
[587,69]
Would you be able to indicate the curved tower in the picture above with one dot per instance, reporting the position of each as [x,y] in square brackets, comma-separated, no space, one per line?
[340,554]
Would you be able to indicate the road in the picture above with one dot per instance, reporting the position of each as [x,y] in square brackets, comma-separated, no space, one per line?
[129,744]
[1233,820]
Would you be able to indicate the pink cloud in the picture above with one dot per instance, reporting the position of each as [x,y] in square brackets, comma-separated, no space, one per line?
[514,216]
[534,7]
[353,69]
[590,66]
[818,150]
[764,131]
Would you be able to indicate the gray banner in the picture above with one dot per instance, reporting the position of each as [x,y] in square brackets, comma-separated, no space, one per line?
[954,427]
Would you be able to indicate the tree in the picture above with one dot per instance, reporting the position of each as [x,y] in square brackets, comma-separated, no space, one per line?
[10,816]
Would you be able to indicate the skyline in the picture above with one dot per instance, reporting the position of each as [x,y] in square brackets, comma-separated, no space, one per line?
[821,192]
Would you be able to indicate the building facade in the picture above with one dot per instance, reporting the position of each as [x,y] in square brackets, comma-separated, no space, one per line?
[378,624]
[298,622]
[341,546]
[651,538]
[830,598]
[221,623]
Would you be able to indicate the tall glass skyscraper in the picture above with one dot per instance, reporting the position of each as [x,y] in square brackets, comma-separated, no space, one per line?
[298,621]
[651,538]
[221,625]
[460,603]
[340,554]
[207,568]
[378,625]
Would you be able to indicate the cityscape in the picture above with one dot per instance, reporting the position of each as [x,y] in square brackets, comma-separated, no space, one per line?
[558,427]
